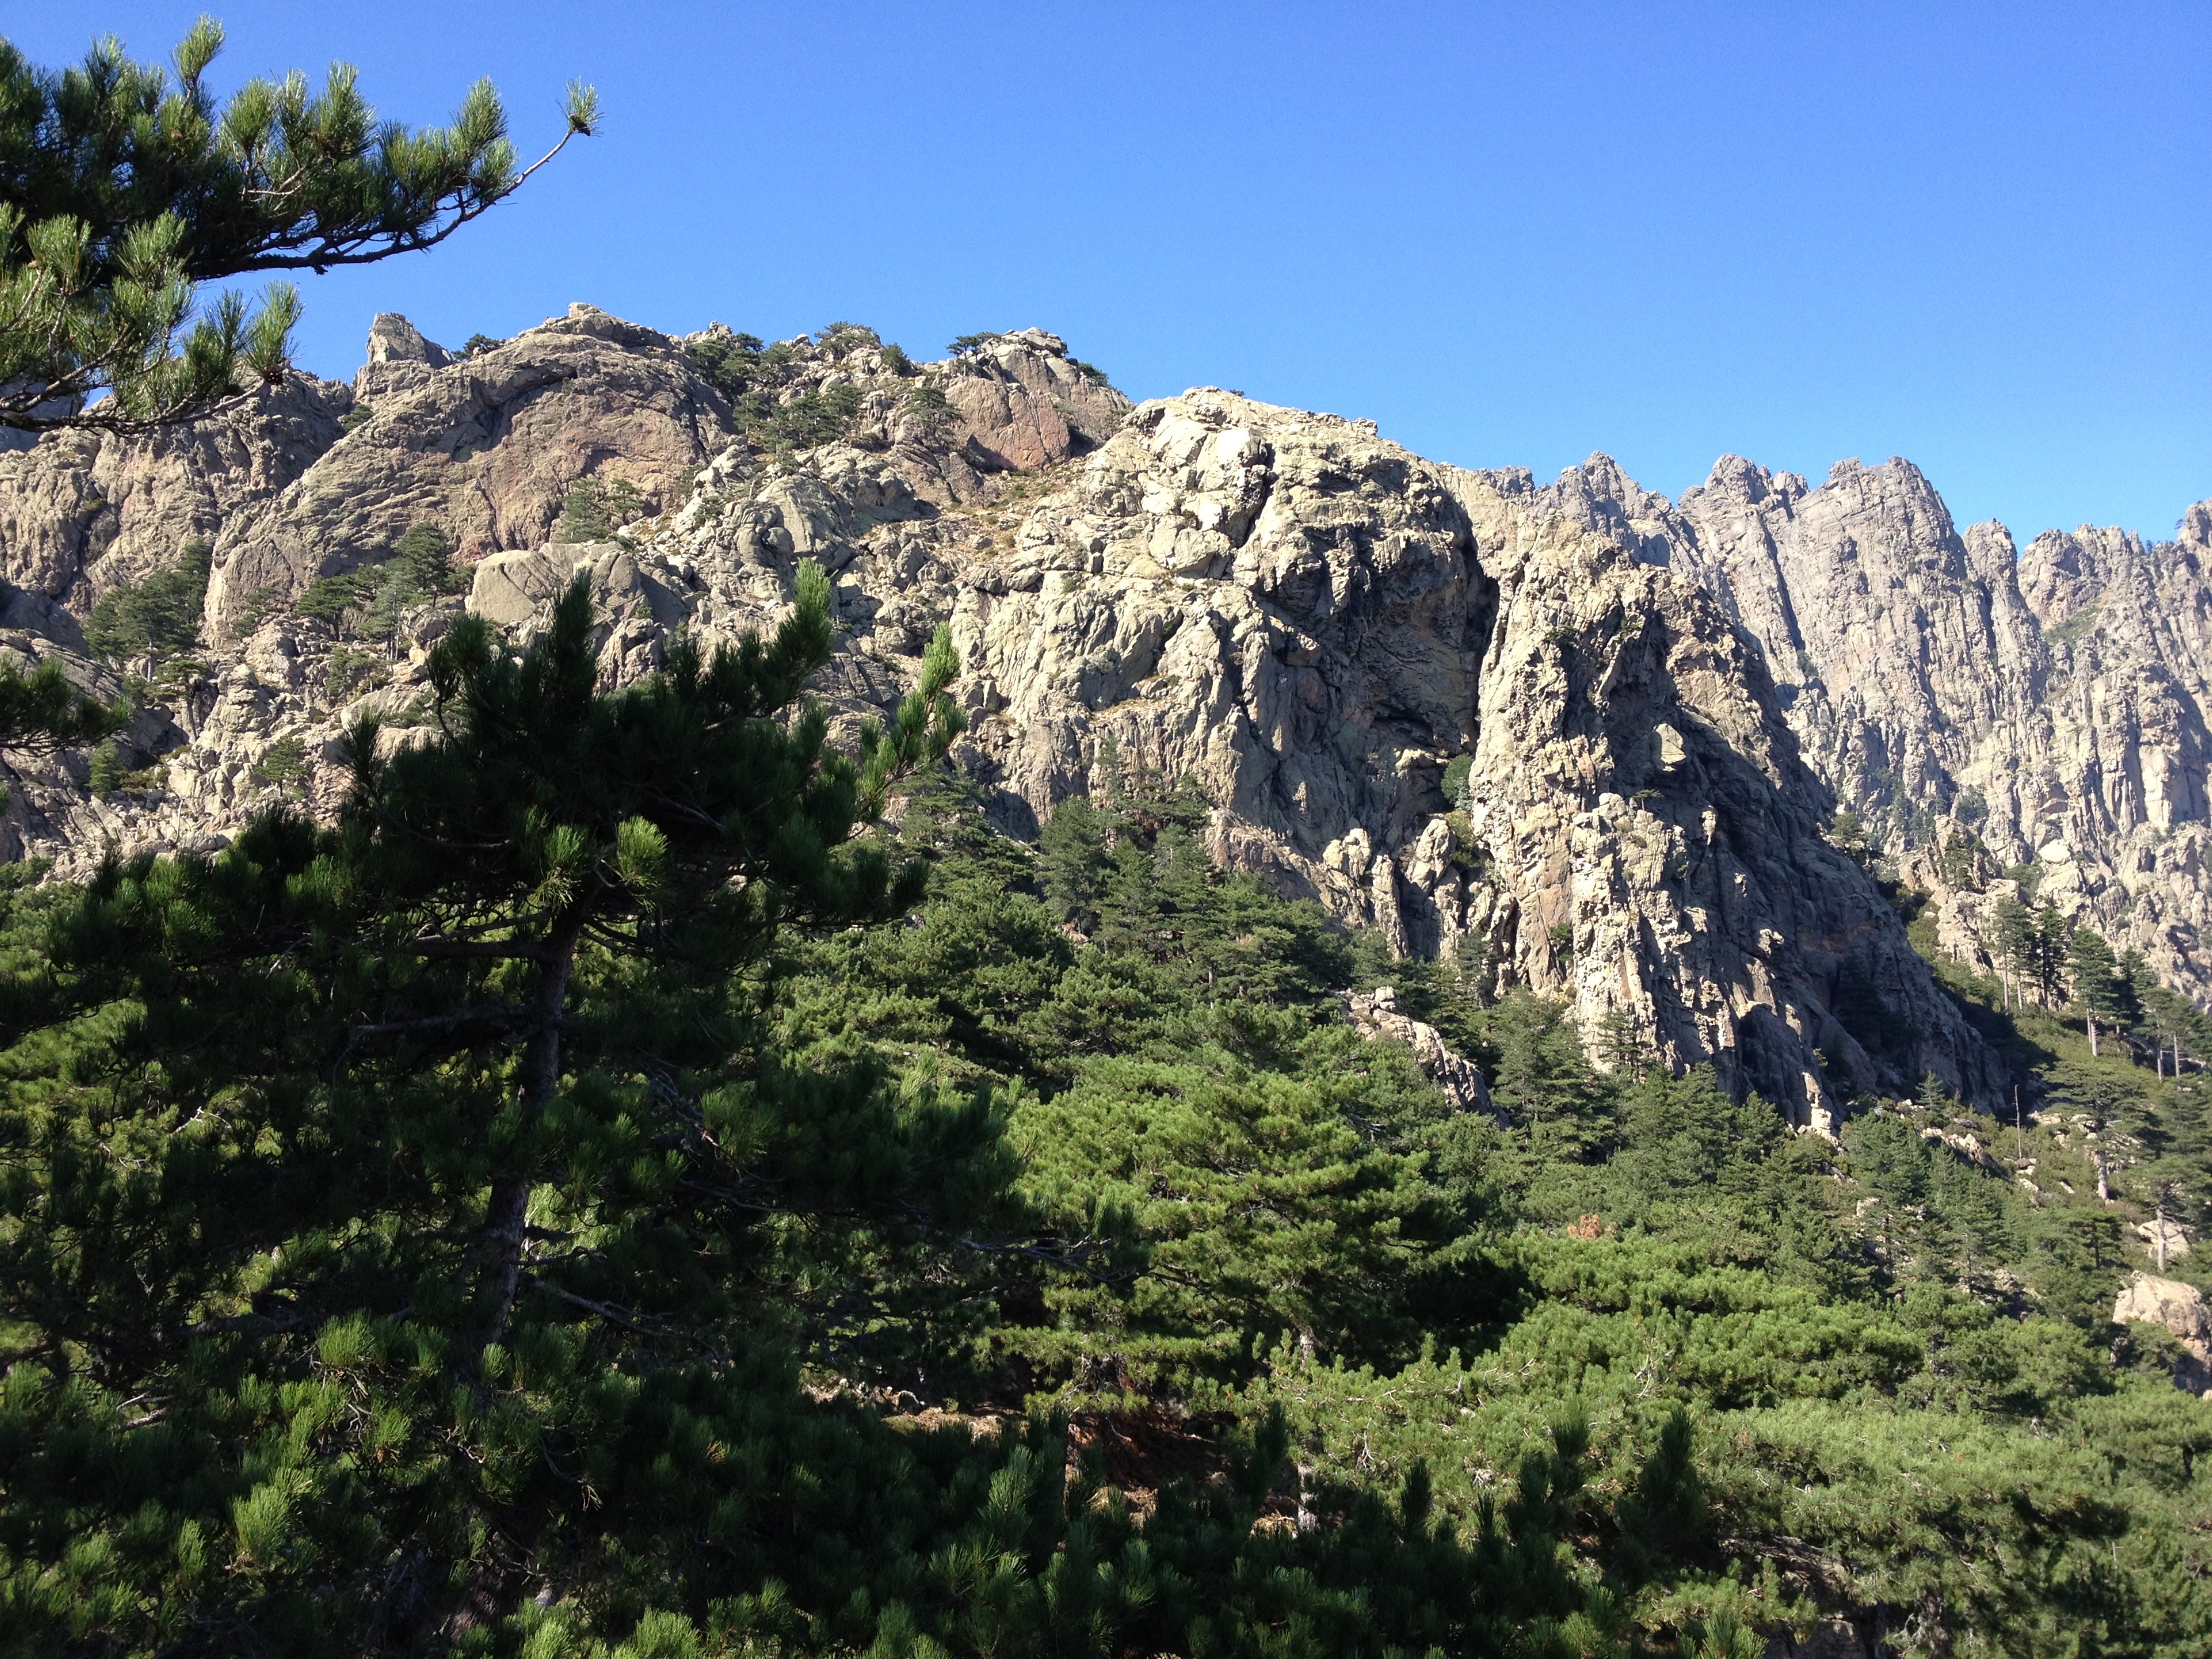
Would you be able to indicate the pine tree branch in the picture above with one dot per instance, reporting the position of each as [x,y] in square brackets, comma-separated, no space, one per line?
[495,949]
[354,248]
[282,1321]
[606,1311]
[501,1013]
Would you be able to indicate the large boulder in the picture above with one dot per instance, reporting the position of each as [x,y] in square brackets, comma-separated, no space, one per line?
[2180,1310]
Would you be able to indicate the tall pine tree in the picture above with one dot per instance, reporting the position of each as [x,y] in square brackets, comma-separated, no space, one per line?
[401,1217]
[2099,991]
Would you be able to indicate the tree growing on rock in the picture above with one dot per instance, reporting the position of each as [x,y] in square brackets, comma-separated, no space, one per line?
[2033,944]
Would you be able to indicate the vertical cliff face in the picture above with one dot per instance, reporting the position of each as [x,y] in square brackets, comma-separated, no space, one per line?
[1906,642]
[82,512]
[2104,788]
[1692,887]
[1896,641]
[1313,624]
[2051,701]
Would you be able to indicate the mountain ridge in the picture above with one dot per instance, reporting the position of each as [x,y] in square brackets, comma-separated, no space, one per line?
[1660,704]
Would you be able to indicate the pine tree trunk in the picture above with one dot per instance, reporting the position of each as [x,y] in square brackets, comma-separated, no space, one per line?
[2104,1186]
[506,1215]
[2092,1035]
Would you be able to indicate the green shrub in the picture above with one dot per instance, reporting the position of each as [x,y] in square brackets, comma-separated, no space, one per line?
[815,417]
[2078,626]
[732,363]
[841,340]
[109,778]
[1455,777]
[929,406]
[1964,863]
[350,669]
[1847,832]
[811,418]
[750,374]
[328,599]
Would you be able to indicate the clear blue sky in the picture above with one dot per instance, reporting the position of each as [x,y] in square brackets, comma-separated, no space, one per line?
[1977,235]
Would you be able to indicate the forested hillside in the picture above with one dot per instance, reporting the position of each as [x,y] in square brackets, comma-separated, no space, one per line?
[668,996]
[601,1195]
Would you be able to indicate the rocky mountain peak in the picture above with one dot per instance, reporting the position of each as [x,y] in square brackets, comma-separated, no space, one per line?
[1746,481]
[1582,737]
[393,339]
[398,356]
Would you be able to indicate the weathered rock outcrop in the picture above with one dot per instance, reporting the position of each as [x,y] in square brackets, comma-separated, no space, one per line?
[1376,1014]
[485,448]
[2054,702]
[1025,403]
[1660,705]
[1312,624]
[400,360]
[308,481]
[2180,1309]
[84,512]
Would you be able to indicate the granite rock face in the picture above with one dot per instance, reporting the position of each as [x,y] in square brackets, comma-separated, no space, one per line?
[318,478]
[2050,703]
[1312,624]
[485,448]
[82,513]
[400,358]
[1660,705]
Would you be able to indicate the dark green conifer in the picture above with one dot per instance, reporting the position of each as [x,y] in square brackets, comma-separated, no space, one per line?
[122,188]
[446,1121]
[2097,990]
